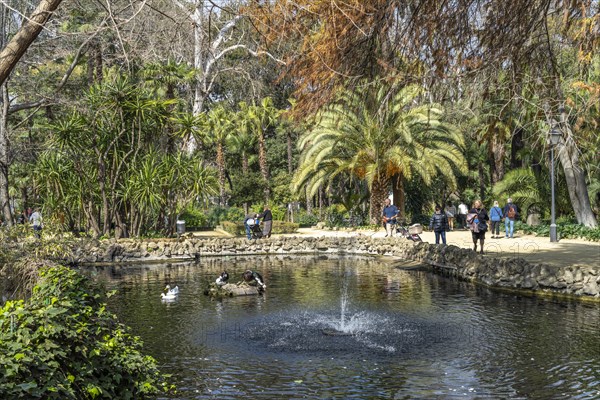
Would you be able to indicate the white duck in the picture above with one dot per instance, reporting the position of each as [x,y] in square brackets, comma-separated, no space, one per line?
[171,293]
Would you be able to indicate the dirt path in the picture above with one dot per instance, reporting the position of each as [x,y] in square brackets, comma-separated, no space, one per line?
[535,249]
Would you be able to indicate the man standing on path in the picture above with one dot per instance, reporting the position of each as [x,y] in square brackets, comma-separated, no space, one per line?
[389,214]
[36,220]
[462,215]
[510,213]
[267,218]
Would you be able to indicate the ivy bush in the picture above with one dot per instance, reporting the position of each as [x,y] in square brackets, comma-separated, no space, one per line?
[565,231]
[63,343]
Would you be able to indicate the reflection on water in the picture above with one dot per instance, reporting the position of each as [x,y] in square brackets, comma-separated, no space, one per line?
[411,334]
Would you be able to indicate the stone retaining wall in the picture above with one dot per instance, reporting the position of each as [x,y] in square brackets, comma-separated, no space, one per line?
[514,273]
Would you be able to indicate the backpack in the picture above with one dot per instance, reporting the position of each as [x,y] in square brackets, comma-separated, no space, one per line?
[512,212]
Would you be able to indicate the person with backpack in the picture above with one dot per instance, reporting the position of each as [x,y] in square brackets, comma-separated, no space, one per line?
[439,224]
[510,213]
[496,214]
[477,219]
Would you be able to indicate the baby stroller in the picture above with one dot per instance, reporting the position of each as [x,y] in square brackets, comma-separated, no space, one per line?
[410,232]
[255,229]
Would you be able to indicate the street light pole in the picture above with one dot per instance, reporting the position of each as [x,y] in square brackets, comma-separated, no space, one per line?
[554,136]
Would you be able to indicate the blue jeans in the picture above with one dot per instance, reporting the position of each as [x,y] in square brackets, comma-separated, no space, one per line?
[437,237]
[248,234]
[509,223]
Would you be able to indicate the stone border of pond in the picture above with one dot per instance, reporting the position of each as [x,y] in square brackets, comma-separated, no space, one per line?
[512,273]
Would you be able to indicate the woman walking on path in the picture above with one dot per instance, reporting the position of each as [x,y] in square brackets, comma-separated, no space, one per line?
[496,217]
[439,225]
[451,214]
[476,219]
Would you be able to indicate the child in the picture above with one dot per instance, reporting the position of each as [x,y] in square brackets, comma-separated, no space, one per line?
[439,224]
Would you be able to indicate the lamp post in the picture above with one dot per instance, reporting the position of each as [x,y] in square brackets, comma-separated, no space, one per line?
[554,138]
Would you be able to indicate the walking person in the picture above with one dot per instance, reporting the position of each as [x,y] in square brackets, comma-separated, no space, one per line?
[477,219]
[451,214]
[510,213]
[496,214]
[439,225]
[389,214]
[267,218]
[462,215]
[36,220]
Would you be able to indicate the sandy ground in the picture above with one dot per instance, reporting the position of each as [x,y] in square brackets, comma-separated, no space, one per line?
[535,249]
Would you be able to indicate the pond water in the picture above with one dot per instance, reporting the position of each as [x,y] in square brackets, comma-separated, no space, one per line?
[407,334]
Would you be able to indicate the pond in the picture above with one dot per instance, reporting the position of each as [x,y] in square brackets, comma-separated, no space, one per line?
[404,333]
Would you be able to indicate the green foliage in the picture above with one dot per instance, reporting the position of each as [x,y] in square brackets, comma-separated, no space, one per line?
[280,227]
[64,344]
[564,230]
[217,215]
[234,228]
[248,188]
[194,217]
[303,219]
[335,215]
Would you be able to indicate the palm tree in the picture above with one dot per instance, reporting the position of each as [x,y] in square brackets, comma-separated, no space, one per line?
[260,119]
[375,135]
[219,125]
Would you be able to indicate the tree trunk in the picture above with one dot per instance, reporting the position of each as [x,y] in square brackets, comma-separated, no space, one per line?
[221,169]
[568,154]
[289,153]
[262,162]
[4,158]
[379,192]
[20,42]
[309,202]
[399,195]
[516,146]
[497,150]
[198,21]
[481,172]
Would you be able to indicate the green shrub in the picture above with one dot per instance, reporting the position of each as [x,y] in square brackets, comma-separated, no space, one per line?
[217,215]
[233,228]
[303,219]
[64,344]
[335,215]
[194,218]
[565,231]
[280,227]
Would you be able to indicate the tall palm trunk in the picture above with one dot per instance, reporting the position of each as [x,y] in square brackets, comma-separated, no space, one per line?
[262,162]
[379,192]
[497,150]
[399,195]
[221,168]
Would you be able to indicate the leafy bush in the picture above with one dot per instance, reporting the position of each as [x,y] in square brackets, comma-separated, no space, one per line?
[194,218]
[234,228]
[335,215]
[284,227]
[217,215]
[303,219]
[63,343]
[565,231]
